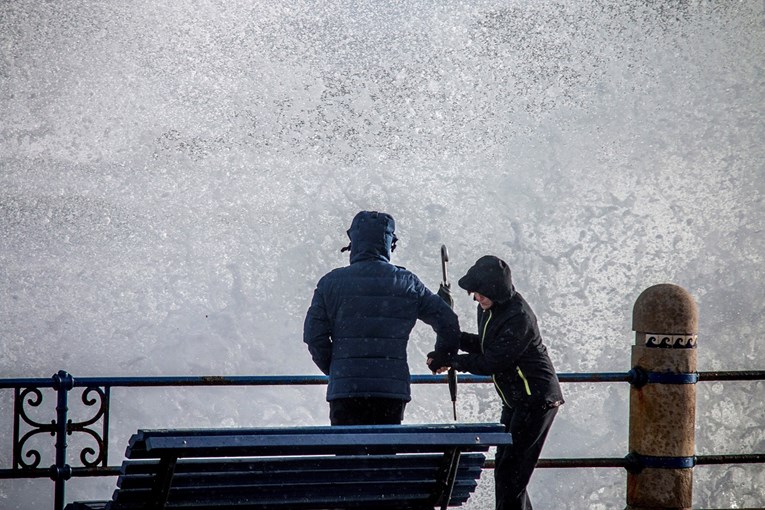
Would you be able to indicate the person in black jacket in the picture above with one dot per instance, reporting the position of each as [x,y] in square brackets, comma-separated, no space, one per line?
[358,326]
[509,348]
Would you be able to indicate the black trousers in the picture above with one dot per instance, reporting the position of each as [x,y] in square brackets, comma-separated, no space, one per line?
[515,463]
[366,411]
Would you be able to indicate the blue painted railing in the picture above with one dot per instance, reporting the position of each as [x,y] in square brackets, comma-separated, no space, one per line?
[96,396]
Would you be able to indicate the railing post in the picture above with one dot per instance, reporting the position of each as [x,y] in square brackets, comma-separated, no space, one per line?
[663,400]
[60,472]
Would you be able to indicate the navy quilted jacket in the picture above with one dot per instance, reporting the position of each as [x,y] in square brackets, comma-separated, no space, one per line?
[359,321]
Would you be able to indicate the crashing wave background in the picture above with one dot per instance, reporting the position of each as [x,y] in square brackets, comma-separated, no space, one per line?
[174,179]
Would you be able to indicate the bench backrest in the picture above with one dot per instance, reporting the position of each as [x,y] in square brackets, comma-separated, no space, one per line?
[406,466]
[407,481]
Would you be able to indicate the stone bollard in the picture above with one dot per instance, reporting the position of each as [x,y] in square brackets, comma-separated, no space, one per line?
[662,400]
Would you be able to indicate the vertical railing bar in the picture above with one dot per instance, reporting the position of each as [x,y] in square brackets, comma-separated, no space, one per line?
[61,471]
[105,434]
[16,427]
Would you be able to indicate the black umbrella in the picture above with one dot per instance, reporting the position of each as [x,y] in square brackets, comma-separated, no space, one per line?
[445,293]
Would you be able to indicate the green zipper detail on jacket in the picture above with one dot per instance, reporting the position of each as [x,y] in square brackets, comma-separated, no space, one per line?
[493,378]
[525,381]
[485,325]
[499,390]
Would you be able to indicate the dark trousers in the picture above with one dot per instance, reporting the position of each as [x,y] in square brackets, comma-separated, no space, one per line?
[514,463]
[366,411]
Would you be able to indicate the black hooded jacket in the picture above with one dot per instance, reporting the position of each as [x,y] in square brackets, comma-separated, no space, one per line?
[508,345]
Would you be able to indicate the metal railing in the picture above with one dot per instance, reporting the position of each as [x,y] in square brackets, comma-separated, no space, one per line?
[96,397]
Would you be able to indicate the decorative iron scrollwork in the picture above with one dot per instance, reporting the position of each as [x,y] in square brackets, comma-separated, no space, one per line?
[101,413]
[25,427]
[33,397]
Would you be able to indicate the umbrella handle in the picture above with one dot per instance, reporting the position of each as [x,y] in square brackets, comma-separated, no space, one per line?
[444,260]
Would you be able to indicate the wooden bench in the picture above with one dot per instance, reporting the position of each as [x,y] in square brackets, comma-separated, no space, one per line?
[412,467]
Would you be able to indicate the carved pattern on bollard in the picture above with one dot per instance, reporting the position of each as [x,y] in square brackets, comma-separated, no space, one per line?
[28,398]
[670,341]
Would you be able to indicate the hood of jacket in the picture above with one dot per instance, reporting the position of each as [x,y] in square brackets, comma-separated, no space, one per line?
[372,236]
[489,276]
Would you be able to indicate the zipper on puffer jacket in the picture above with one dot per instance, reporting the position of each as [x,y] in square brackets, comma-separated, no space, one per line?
[493,377]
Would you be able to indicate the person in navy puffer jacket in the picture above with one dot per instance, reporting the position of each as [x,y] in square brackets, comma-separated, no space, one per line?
[358,326]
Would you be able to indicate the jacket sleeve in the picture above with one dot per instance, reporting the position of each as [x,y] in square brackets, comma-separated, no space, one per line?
[470,342]
[434,311]
[500,354]
[317,332]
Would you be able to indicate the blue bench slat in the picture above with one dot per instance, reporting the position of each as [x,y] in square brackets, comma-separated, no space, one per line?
[404,505]
[247,464]
[338,491]
[87,505]
[313,440]
[314,470]
[341,495]
[300,470]
[346,429]
[299,480]
[317,444]
[326,505]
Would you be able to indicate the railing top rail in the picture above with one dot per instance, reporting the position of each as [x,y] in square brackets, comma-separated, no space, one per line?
[300,380]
